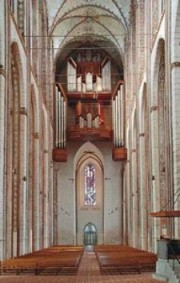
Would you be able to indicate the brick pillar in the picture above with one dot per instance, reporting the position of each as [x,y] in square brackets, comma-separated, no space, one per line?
[46,205]
[176,138]
[23,205]
[155,170]
[36,194]
[134,197]
[3,34]
[143,193]
[2,201]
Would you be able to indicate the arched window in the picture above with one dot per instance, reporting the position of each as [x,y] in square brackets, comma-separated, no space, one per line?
[90,185]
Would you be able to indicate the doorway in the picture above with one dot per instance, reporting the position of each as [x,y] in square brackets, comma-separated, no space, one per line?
[90,235]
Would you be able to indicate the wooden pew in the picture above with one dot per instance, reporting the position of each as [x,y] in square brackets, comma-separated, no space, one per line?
[122,258]
[58,260]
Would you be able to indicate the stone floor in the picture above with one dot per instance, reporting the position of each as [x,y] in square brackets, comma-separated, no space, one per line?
[88,273]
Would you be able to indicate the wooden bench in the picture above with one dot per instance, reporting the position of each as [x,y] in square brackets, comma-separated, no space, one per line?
[58,260]
[113,259]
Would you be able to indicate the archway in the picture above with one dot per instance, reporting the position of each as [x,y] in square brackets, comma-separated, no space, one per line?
[89,176]
[90,234]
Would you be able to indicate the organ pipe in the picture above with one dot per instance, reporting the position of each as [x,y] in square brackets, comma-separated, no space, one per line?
[122,114]
[113,118]
[57,117]
[118,118]
[116,121]
[62,122]
[65,122]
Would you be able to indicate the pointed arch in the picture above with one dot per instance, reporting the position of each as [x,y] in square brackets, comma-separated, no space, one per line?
[89,156]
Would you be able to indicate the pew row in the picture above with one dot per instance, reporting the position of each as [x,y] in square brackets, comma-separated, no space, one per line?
[53,260]
[123,259]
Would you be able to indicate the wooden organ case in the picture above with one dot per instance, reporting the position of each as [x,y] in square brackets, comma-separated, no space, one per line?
[85,104]
[89,97]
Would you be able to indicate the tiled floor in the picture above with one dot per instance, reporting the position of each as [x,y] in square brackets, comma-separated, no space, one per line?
[88,273]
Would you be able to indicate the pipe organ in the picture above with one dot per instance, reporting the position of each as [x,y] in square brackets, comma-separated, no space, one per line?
[118,115]
[59,152]
[88,74]
[87,108]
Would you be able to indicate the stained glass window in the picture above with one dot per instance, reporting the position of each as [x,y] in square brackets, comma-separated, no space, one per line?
[90,185]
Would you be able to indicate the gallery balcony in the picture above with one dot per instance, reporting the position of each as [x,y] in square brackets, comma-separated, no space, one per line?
[75,133]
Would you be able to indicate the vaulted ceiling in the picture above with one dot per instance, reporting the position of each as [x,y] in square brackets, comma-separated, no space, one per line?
[76,23]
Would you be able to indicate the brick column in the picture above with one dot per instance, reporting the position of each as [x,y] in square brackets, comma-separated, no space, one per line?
[2,201]
[23,205]
[45,196]
[143,193]
[155,170]
[3,34]
[176,137]
[134,197]
[36,194]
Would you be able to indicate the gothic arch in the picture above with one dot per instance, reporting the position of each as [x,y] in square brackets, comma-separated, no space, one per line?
[89,154]
[87,147]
